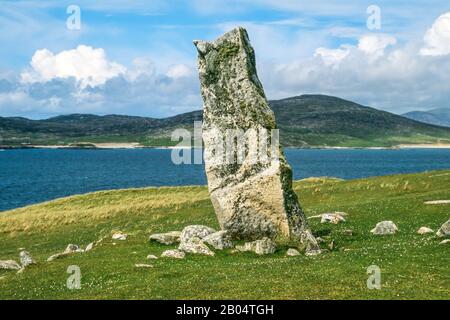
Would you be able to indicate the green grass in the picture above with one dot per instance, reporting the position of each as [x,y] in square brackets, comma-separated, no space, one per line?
[412,266]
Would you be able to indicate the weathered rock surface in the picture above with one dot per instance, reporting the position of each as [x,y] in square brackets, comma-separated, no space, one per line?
[195,231]
[251,191]
[263,246]
[424,230]
[119,236]
[25,258]
[175,253]
[89,247]
[73,248]
[152,257]
[9,265]
[195,245]
[219,240]
[292,252]
[385,228]
[444,230]
[70,249]
[333,218]
[445,241]
[166,238]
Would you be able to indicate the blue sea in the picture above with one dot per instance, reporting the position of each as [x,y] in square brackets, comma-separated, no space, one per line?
[30,176]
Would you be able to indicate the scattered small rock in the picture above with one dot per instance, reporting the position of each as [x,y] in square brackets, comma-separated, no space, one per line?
[89,247]
[438,202]
[331,245]
[384,228]
[311,253]
[168,238]
[260,247]
[424,230]
[333,218]
[198,231]
[119,236]
[9,265]
[445,241]
[152,257]
[195,246]
[292,252]
[348,232]
[444,230]
[70,249]
[219,240]
[26,259]
[143,265]
[175,253]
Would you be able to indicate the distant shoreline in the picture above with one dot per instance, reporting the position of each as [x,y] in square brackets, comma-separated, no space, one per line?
[134,145]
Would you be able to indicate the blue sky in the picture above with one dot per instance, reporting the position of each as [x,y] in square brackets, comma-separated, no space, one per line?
[137,57]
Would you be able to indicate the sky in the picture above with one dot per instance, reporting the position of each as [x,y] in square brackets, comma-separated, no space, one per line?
[137,57]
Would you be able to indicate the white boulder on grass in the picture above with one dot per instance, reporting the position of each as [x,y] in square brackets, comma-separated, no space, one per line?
[119,236]
[143,265]
[198,231]
[9,265]
[444,230]
[89,247]
[384,228]
[167,238]
[70,249]
[292,252]
[260,247]
[424,230]
[175,254]
[438,202]
[195,246]
[25,258]
[333,218]
[219,240]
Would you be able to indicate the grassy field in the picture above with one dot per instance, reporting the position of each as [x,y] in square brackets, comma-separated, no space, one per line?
[412,266]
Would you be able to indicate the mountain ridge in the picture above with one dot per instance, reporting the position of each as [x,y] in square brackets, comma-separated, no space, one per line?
[304,121]
[439,116]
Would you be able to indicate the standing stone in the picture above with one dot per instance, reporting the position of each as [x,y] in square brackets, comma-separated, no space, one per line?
[249,179]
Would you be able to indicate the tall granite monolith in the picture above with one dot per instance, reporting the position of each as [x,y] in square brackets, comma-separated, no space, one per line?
[249,179]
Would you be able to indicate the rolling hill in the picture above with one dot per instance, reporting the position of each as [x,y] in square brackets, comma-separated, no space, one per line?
[440,117]
[304,121]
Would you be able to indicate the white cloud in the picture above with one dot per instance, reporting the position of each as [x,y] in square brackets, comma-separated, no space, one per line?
[89,66]
[377,72]
[179,71]
[375,44]
[332,57]
[437,38]
[141,67]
